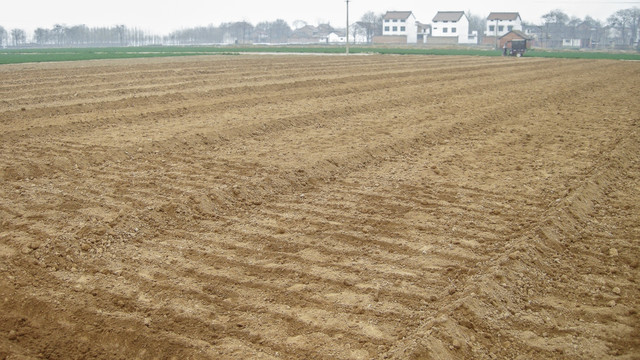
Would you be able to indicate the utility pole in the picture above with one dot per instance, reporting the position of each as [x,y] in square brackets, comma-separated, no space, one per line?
[347,1]
[497,45]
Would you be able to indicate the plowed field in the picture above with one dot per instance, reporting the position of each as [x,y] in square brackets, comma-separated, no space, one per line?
[288,207]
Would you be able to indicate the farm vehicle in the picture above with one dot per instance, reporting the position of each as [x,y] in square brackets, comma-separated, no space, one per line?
[515,48]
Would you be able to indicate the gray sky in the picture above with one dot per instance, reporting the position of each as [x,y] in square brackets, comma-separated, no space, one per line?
[161,17]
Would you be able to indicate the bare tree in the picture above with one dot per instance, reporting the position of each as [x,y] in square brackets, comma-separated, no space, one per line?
[554,27]
[357,31]
[261,33]
[371,24]
[273,31]
[593,30]
[588,20]
[59,32]
[280,31]
[555,17]
[477,23]
[19,37]
[77,35]
[621,21]
[634,13]
[626,20]
[42,36]
[241,32]
[3,37]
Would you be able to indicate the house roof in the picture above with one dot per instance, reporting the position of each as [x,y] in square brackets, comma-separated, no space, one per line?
[306,30]
[325,27]
[448,16]
[519,33]
[397,15]
[338,33]
[310,31]
[506,16]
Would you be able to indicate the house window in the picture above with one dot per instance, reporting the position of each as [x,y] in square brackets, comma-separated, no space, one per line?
[445,30]
[510,28]
[386,20]
[386,28]
[395,20]
[395,28]
[403,21]
[403,28]
[492,28]
[501,28]
[453,29]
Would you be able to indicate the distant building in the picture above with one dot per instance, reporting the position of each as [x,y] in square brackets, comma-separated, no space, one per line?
[424,31]
[533,31]
[504,40]
[310,34]
[451,27]
[398,27]
[336,37]
[500,23]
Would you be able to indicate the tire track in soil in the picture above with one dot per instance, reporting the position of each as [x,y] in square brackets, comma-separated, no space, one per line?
[205,249]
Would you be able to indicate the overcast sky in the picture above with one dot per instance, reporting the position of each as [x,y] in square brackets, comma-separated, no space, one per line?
[161,17]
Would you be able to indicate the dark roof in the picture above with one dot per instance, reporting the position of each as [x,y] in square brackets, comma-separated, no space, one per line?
[519,33]
[448,16]
[326,28]
[397,15]
[506,16]
[310,31]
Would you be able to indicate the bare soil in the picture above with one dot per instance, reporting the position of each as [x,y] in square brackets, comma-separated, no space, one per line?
[288,207]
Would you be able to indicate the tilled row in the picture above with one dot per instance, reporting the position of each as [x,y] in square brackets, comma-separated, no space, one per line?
[312,213]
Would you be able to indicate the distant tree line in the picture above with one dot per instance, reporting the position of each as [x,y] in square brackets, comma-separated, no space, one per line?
[81,35]
[59,35]
[620,29]
[277,31]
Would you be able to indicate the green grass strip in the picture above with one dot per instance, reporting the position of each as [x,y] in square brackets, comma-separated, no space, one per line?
[16,56]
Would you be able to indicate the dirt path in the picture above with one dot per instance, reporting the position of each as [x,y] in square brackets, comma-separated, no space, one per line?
[320,207]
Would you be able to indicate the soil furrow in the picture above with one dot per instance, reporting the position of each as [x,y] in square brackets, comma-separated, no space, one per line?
[320,207]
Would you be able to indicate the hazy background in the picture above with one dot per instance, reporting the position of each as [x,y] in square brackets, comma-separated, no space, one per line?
[164,17]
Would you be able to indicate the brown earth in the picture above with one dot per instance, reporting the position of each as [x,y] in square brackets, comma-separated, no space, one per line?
[287,207]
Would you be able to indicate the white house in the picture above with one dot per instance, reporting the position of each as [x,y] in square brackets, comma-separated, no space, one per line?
[336,37]
[501,23]
[400,23]
[339,37]
[424,31]
[451,27]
